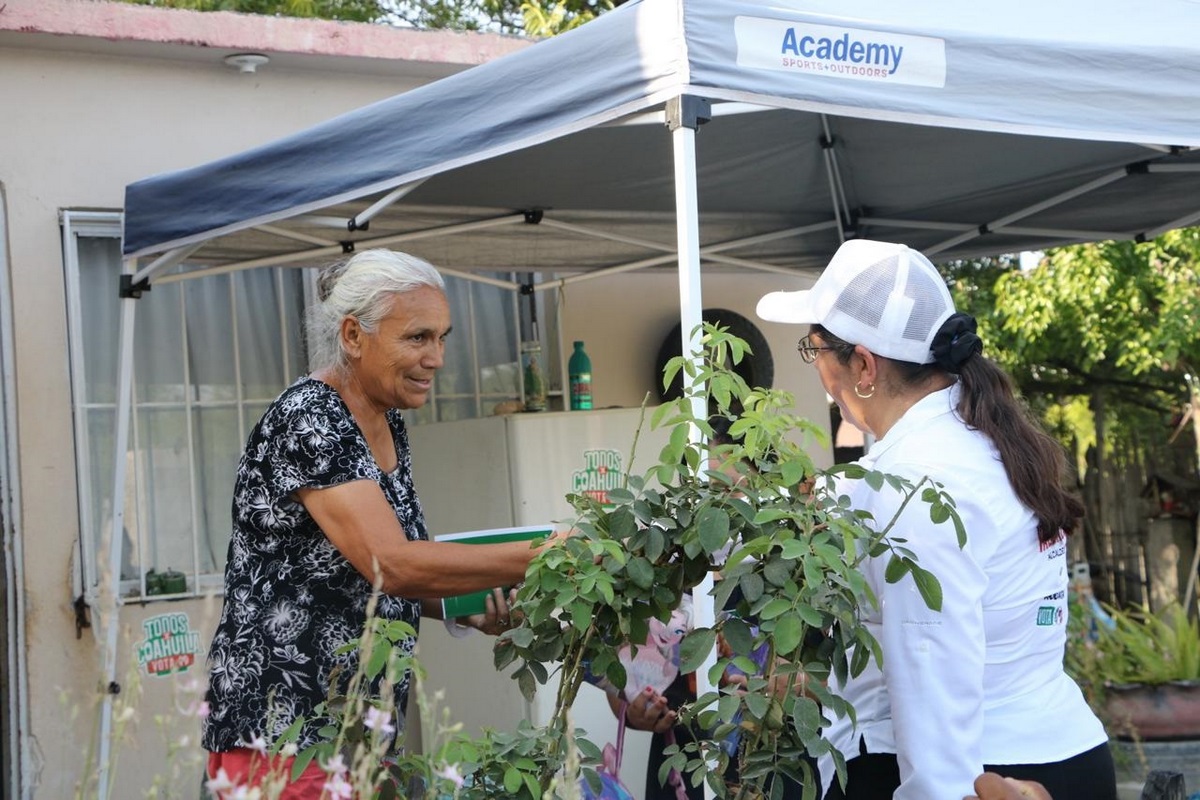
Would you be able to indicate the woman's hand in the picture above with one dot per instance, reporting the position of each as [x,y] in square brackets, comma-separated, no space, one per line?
[498,616]
[649,712]
[990,786]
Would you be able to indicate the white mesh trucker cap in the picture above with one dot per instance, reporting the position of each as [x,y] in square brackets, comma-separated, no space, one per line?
[886,297]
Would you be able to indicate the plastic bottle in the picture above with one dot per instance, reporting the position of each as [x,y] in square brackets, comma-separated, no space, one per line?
[535,383]
[579,373]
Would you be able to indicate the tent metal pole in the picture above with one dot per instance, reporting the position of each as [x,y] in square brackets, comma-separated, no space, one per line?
[684,115]
[1015,230]
[338,250]
[1173,167]
[296,236]
[991,227]
[164,263]
[359,221]
[708,252]
[110,580]
[470,276]
[837,189]
[1181,222]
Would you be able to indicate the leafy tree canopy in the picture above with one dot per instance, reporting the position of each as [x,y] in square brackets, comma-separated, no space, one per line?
[534,17]
[1107,327]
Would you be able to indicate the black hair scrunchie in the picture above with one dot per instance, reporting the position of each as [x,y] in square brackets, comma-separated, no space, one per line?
[956,342]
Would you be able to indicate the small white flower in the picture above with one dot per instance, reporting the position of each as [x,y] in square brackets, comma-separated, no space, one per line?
[450,772]
[220,782]
[288,750]
[258,745]
[126,714]
[338,789]
[377,720]
[335,765]
[185,740]
[245,793]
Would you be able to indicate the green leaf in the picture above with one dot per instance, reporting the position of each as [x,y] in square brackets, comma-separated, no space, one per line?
[695,647]
[792,472]
[728,705]
[713,524]
[641,572]
[787,633]
[777,571]
[874,479]
[810,616]
[775,608]
[752,586]
[738,635]
[897,568]
[378,659]
[656,543]
[757,704]
[929,587]
[619,495]
[513,779]
[806,715]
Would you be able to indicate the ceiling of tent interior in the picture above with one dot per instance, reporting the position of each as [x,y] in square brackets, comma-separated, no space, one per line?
[604,198]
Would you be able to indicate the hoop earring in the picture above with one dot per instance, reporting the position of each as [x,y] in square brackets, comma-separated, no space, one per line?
[859,393]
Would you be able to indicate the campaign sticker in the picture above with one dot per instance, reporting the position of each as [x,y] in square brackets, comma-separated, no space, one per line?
[170,645]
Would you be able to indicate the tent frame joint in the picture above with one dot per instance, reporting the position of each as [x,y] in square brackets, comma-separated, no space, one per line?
[129,289]
[688,111]
[347,247]
[533,216]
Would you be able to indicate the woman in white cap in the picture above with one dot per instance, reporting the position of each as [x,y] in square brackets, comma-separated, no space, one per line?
[979,684]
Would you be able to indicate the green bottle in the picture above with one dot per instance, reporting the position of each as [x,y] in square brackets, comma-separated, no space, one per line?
[535,383]
[579,373]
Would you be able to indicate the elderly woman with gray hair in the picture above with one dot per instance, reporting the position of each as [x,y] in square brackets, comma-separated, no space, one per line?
[324,510]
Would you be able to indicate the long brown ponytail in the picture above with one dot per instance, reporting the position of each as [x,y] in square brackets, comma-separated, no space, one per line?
[1033,461]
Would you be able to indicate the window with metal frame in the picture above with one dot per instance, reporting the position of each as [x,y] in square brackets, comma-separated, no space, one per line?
[210,355]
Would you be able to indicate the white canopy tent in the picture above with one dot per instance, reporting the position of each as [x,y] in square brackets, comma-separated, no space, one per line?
[959,130]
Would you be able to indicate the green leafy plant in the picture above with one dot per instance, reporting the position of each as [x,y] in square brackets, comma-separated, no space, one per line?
[1137,647]
[795,546]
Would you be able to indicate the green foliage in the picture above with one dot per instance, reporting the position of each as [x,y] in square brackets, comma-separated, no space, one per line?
[344,10]
[1138,647]
[531,17]
[1097,337]
[796,553]
[541,19]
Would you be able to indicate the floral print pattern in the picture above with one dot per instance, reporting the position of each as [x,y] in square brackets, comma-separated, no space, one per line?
[291,599]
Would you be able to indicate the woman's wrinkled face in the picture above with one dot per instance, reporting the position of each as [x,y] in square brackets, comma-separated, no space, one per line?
[397,362]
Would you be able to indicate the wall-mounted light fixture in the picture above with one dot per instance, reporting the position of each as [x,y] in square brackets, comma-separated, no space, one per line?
[246,62]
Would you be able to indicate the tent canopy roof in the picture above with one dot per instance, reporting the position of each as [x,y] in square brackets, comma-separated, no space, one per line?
[958,132]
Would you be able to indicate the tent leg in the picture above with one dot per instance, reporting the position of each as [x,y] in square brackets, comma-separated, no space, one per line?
[684,122]
[110,579]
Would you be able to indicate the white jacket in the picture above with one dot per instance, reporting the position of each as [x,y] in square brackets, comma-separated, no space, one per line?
[980,682]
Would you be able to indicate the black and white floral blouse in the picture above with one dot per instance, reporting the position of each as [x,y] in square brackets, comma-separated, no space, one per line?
[291,599]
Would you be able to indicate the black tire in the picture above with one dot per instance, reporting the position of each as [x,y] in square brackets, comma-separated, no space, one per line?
[756,369]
